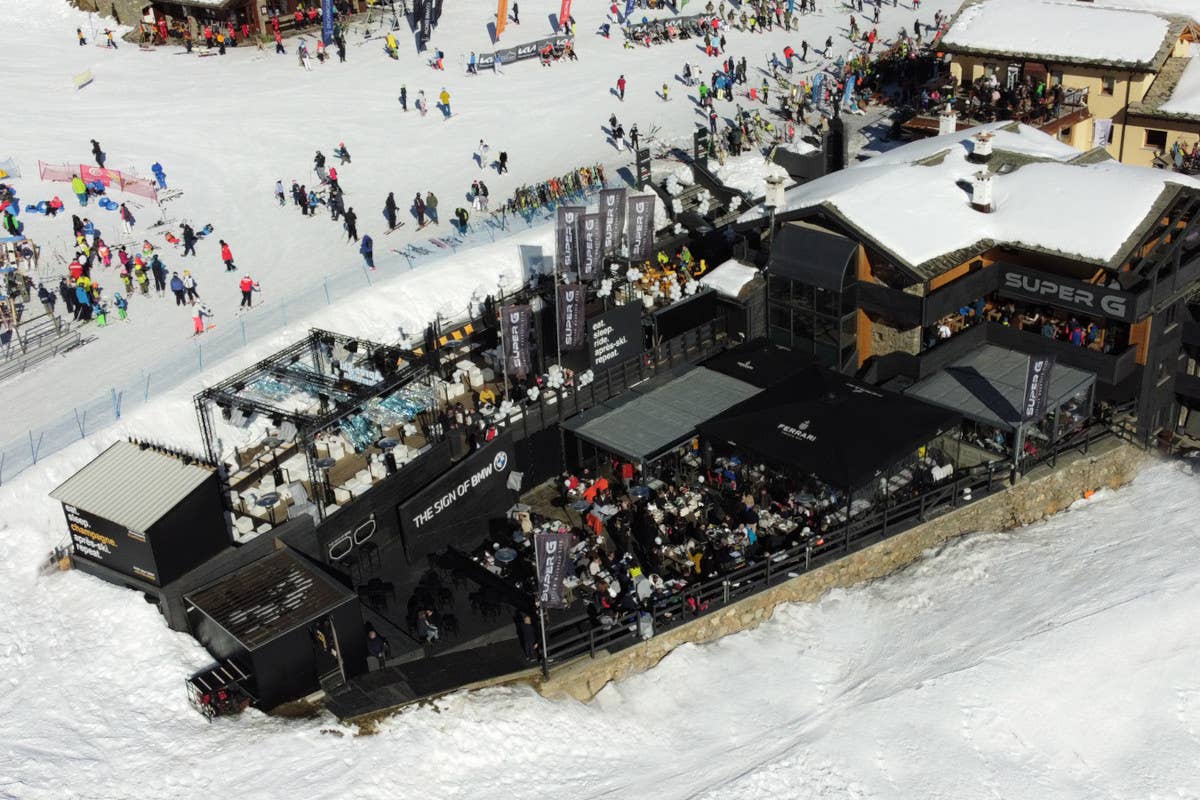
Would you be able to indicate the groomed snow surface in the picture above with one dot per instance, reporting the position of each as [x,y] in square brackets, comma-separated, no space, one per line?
[1053,662]
[1058,30]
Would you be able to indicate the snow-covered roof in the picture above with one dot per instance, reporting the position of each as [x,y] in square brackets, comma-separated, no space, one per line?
[913,202]
[729,278]
[1185,99]
[1062,32]
[1183,8]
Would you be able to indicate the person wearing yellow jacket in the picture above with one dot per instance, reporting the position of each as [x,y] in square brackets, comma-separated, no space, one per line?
[80,190]
[444,99]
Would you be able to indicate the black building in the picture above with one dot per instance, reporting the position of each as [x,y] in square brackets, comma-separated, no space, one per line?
[285,623]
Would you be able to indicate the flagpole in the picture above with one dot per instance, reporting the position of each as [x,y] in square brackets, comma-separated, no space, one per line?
[541,613]
[503,352]
[557,322]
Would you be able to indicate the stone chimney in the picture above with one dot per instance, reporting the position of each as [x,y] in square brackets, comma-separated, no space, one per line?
[981,192]
[981,148]
[947,122]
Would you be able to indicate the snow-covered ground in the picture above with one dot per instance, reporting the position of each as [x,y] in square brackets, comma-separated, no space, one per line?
[1053,662]
[226,128]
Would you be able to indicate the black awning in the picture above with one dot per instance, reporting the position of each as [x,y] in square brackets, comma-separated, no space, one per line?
[760,362]
[644,426]
[813,256]
[826,424]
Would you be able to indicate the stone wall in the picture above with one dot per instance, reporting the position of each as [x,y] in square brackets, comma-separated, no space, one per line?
[1033,498]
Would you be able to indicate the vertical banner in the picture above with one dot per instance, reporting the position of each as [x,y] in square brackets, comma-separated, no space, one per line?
[501,17]
[591,246]
[641,227]
[564,14]
[515,324]
[642,168]
[566,250]
[327,21]
[612,208]
[628,10]
[1037,387]
[552,551]
[570,316]
[426,21]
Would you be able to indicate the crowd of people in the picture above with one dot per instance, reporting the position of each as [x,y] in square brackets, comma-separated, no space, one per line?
[645,541]
[1044,321]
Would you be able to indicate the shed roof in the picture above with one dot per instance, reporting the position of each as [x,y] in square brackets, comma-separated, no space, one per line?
[648,425]
[988,386]
[264,600]
[1175,93]
[133,485]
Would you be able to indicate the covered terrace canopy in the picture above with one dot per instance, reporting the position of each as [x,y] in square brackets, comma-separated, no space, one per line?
[822,423]
[760,362]
[653,422]
[988,386]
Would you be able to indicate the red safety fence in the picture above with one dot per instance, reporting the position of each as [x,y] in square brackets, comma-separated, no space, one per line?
[143,187]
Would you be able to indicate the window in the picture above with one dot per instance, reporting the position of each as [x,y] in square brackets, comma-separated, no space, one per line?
[1107,85]
[1156,140]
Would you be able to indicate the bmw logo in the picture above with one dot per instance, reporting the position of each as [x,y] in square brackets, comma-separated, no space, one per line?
[500,461]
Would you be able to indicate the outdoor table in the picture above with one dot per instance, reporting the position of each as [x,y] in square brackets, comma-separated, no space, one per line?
[506,555]
[272,442]
[640,492]
[326,462]
[387,443]
[267,500]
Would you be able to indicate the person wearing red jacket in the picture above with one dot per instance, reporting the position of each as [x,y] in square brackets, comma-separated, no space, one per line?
[248,287]
[208,36]
[227,257]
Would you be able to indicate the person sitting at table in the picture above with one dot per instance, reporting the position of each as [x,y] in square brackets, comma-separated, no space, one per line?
[487,395]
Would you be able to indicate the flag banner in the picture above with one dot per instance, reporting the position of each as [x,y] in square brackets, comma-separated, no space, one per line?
[566,239]
[570,316]
[612,208]
[591,247]
[641,227]
[426,21]
[327,21]
[501,17]
[564,14]
[553,556]
[628,10]
[516,322]
[1037,387]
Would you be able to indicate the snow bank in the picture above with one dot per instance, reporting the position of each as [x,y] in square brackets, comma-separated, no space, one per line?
[748,173]
[1186,97]
[1058,30]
